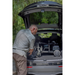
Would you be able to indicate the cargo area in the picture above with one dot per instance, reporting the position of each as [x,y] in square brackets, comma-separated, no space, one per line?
[47,48]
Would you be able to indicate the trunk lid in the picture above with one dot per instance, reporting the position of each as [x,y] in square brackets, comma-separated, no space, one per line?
[41,7]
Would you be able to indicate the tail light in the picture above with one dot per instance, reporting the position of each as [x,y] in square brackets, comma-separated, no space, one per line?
[59,66]
[29,66]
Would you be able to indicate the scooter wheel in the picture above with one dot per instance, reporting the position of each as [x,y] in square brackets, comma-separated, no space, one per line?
[57,53]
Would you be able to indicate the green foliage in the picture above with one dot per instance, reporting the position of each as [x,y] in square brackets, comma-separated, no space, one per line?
[48,35]
[45,17]
[58,34]
[18,6]
[42,35]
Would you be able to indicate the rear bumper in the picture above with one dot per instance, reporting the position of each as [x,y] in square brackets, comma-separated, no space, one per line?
[45,70]
[44,73]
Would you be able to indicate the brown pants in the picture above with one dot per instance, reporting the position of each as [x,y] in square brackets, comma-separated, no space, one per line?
[21,64]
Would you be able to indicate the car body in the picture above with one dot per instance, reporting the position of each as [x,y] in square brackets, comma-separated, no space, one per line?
[46,58]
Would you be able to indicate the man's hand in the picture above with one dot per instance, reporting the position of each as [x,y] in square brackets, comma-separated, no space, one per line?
[30,51]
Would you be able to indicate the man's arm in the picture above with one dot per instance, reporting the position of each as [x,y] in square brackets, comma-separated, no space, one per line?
[31,46]
[30,51]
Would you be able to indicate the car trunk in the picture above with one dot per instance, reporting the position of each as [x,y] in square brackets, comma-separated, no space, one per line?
[43,54]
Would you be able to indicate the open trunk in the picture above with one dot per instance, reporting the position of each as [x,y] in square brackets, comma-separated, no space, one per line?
[47,48]
[47,51]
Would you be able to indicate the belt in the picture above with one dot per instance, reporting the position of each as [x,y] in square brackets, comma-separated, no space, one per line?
[25,50]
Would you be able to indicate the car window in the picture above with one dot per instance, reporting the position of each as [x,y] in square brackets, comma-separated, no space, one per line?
[47,35]
[48,17]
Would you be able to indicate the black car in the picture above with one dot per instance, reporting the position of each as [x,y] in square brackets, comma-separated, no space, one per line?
[46,58]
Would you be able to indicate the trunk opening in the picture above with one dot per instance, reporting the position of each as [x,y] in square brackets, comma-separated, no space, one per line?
[47,48]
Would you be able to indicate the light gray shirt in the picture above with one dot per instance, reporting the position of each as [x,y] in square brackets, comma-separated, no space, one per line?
[23,42]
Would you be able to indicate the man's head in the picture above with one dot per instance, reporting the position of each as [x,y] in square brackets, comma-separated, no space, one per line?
[33,29]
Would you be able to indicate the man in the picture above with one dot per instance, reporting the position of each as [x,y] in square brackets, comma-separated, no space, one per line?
[23,43]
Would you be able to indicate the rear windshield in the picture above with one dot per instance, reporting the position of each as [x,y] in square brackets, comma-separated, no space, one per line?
[47,35]
[47,17]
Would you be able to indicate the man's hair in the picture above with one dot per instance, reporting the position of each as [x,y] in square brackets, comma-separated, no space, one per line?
[33,26]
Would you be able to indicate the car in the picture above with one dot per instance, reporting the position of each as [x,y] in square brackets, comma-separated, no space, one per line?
[46,58]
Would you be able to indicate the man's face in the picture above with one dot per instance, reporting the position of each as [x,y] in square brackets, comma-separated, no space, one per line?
[34,31]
